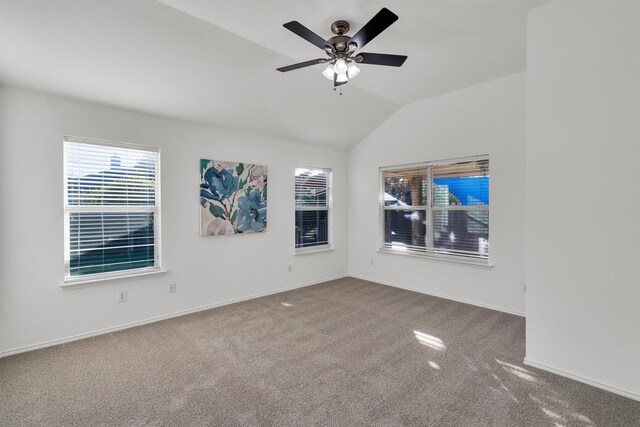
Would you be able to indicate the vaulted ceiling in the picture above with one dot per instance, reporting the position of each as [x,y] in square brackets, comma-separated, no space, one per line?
[214,61]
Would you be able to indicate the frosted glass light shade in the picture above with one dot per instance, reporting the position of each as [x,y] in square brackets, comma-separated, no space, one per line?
[328,72]
[352,70]
[342,78]
[340,67]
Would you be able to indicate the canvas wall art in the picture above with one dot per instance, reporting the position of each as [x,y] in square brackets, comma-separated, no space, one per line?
[233,198]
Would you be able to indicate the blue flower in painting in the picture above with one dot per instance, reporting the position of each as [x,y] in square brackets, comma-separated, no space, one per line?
[252,212]
[221,184]
[205,194]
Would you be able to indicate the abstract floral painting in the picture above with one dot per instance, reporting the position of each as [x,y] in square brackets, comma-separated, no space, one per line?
[233,198]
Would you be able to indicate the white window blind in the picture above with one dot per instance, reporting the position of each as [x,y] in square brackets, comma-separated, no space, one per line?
[112,208]
[313,208]
[436,208]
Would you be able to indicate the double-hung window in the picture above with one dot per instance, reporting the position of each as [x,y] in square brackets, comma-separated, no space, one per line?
[112,209]
[436,209]
[313,209]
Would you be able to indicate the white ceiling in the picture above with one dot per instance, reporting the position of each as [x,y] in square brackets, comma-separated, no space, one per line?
[213,61]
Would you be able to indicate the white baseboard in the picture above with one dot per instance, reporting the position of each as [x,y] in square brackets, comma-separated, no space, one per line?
[435,294]
[77,337]
[570,375]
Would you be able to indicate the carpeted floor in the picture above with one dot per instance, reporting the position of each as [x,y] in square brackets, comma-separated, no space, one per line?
[346,352]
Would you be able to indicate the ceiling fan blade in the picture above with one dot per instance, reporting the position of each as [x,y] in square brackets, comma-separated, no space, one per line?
[382,59]
[380,22]
[305,33]
[301,65]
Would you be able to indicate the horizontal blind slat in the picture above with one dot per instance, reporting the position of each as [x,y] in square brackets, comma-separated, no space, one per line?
[312,207]
[104,186]
[454,216]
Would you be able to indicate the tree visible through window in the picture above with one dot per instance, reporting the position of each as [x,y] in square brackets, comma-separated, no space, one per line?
[111,208]
[439,208]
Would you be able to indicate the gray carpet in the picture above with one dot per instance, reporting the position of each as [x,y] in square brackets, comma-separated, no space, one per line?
[346,352]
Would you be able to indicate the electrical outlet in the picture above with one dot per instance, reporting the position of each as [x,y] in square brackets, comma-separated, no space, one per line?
[290,268]
[371,261]
[122,296]
[172,288]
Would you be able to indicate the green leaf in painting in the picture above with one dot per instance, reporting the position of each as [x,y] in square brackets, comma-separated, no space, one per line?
[217,211]
[240,168]
[242,183]
[248,190]
[264,194]
[234,215]
[203,165]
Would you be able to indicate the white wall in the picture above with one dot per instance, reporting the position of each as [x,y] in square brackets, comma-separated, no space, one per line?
[207,270]
[583,191]
[485,119]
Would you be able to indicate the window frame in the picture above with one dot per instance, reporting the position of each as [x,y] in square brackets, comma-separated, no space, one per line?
[329,209]
[429,251]
[86,279]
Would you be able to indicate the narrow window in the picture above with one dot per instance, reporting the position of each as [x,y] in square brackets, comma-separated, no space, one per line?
[313,209]
[112,209]
[436,208]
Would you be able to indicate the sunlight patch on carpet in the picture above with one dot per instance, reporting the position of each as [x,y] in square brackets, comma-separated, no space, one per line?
[430,341]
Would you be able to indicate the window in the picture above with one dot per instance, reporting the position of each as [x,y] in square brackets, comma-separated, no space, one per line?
[313,209]
[112,209]
[437,209]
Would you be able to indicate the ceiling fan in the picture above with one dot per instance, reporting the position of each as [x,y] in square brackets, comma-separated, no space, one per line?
[341,49]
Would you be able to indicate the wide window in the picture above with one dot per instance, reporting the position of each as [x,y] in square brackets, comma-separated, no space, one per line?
[313,209]
[437,209]
[112,209]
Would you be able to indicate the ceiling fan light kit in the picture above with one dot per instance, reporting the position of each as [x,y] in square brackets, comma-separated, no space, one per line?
[341,49]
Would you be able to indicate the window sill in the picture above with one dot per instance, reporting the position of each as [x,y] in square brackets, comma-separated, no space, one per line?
[85,282]
[447,258]
[313,250]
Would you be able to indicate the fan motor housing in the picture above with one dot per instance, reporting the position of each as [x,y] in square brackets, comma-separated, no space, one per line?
[340,43]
